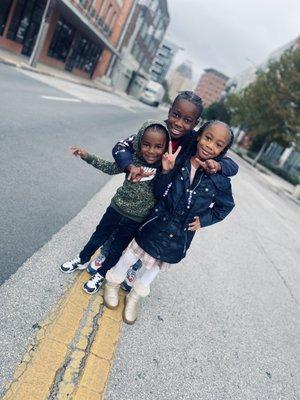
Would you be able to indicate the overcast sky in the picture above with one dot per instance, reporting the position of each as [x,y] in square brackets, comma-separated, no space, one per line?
[223,34]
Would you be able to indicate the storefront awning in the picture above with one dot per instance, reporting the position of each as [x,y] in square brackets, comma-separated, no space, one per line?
[79,21]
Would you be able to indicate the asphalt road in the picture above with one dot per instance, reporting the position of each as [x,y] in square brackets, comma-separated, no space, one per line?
[222,325]
[42,185]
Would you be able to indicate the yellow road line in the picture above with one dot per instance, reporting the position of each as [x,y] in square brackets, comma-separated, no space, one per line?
[72,353]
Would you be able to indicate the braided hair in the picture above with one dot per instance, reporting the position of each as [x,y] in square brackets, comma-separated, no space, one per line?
[229,131]
[191,97]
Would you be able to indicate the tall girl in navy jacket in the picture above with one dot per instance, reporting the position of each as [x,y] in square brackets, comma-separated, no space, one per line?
[184,193]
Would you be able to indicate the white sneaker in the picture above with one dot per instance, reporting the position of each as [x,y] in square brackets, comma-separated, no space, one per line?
[73,265]
[94,284]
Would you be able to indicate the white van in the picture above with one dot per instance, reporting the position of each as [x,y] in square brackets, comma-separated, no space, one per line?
[153,93]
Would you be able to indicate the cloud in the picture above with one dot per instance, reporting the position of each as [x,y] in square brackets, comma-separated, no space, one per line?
[223,34]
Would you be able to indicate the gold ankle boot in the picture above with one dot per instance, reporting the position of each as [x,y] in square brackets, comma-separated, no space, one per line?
[130,312]
[111,295]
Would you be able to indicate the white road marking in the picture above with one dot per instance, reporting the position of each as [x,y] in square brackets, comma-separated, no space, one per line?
[62,99]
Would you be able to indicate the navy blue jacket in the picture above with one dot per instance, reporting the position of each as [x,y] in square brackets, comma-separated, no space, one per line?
[165,235]
[123,150]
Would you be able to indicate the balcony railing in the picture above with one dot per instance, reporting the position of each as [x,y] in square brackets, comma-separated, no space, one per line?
[86,9]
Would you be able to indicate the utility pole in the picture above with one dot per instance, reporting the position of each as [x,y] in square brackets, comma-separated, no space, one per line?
[40,40]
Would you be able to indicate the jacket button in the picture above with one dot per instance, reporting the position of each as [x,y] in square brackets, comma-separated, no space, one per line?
[156,210]
[184,229]
[181,178]
[171,235]
[206,189]
[187,190]
[195,192]
[182,169]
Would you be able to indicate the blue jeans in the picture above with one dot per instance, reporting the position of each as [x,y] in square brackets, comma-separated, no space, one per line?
[123,229]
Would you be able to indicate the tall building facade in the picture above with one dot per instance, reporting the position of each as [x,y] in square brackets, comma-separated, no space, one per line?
[82,36]
[144,34]
[210,86]
[163,60]
[180,79]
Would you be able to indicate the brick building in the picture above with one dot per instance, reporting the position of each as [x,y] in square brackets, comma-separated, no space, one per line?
[145,32]
[81,38]
[210,86]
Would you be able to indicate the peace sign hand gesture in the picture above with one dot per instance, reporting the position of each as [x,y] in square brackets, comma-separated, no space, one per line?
[169,158]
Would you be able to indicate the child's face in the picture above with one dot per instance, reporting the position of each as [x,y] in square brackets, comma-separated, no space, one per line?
[153,145]
[182,118]
[212,141]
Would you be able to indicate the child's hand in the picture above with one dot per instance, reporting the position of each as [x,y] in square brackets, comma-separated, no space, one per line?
[209,166]
[78,152]
[195,225]
[169,158]
[137,173]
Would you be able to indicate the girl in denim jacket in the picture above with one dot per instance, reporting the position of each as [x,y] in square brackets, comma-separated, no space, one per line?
[184,193]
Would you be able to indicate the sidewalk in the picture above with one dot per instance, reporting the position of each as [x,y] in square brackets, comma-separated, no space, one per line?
[274,182]
[19,61]
[70,350]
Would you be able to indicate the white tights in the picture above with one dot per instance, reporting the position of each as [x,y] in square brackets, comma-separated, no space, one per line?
[128,258]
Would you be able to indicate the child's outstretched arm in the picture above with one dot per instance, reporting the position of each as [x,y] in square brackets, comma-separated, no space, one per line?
[108,167]
[122,153]
[226,167]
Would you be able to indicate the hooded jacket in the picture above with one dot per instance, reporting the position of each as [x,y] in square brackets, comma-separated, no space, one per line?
[133,200]
[165,235]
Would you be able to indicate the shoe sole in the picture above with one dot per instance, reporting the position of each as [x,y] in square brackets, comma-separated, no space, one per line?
[95,291]
[123,316]
[73,270]
[109,306]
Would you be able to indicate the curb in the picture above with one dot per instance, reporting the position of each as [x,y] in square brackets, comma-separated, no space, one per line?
[31,69]
[72,354]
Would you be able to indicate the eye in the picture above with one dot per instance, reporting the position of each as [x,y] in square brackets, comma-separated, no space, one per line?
[175,114]
[188,121]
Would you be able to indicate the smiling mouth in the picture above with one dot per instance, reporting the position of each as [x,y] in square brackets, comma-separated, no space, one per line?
[206,153]
[176,132]
[151,158]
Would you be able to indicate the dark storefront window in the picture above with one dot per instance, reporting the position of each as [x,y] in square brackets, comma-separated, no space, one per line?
[87,55]
[61,40]
[4,11]
[84,55]
[26,23]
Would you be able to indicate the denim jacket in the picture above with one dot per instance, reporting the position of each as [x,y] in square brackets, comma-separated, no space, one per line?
[165,235]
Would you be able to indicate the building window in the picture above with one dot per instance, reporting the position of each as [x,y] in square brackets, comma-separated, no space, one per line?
[61,40]
[26,22]
[4,11]
[113,20]
[85,54]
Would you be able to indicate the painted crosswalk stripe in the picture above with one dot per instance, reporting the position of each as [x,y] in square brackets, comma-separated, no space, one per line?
[72,100]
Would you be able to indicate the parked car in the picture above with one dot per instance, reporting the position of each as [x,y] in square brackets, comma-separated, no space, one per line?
[153,94]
